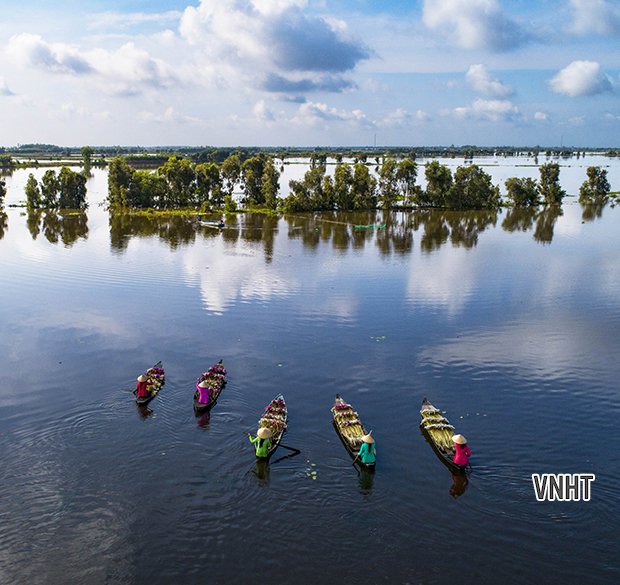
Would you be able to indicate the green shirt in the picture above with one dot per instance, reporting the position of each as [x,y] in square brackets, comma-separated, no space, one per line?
[262,447]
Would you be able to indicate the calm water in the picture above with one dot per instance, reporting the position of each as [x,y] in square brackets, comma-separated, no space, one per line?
[508,321]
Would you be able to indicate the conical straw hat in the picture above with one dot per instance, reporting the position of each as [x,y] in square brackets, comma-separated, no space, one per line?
[368,438]
[203,384]
[264,433]
[142,378]
[459,439]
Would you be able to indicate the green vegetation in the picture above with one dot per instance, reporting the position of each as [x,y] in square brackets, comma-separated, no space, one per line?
[596,189]
[523,191]
[67,190]
[550,183]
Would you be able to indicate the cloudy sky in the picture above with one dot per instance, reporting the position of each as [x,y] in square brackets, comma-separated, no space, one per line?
[310,73]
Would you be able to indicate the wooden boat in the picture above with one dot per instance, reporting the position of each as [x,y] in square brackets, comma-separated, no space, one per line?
[350,430]
[213,224]
[439,432]
[157,378]
[215,377]
[274,418]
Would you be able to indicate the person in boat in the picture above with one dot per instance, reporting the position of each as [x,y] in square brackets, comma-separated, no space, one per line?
[143,386]
[204,392]
[463,453]
[262,441]
[368,450]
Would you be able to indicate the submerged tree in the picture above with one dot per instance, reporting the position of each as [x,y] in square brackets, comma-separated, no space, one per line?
[522,191]
[596,188]
[550,188]
[438,183]
[33,193]
[270,185]
[472,189]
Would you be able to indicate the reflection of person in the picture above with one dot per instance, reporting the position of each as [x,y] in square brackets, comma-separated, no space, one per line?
[262,441]
[459,485]
[368,451]
[463,453]
[142,386]
[204,391]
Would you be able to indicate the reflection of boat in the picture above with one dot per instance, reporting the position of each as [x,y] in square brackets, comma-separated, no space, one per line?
[157,377]
[372,226]
[215,377]
[439,432]
[350,430]
[274,418]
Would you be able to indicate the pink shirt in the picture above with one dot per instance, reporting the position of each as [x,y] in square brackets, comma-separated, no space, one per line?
[143,390]
[462,454]
[205,394]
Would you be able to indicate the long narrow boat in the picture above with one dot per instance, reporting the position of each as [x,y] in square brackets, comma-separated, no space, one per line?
[439,432]
[157,378]
[215,377]
[213,224]
[350,430]
[274,418]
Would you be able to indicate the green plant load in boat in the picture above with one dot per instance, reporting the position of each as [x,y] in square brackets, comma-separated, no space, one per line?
[348,422]
[274,418]
[438,427]
[157,377]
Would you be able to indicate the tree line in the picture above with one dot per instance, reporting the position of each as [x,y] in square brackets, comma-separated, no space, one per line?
[65,190]
[352,187]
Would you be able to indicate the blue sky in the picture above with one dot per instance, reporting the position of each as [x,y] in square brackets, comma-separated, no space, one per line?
[306,73]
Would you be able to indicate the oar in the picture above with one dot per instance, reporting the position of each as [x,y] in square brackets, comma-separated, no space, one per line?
[355,460]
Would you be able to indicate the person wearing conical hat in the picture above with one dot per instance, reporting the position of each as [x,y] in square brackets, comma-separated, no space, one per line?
[368,450]
[262,441]
[204,392]
[462,450]
[142,386]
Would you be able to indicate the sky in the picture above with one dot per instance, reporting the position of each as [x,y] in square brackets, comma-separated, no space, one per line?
[310,73]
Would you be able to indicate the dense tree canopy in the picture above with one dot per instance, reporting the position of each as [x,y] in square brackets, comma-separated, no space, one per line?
[67,190]
[522,191]
[596,188]
[550,183]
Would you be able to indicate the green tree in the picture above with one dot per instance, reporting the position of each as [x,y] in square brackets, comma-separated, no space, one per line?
[33,193]
[2,191]
[522,191]
[472,189]
[343,186]
[550,183]
[388,187]
[50,188]
[181,180]
[364,189]
[270,184]
[209,184]
[406,174]
[596,188]
[438,184]
[231,171]
[119,181]
[87,153]
[147,189]
[252,178]
[72,192]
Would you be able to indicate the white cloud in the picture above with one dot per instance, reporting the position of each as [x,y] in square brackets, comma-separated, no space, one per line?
[595,16]
[494,110]
[124,71]
[310,113]
[262,112]
[118,20]
[581,78]
[4,88]
[541,116]
[578,120]
[481,80]
[170,115]
[274,45]
[401,118]
[473,23]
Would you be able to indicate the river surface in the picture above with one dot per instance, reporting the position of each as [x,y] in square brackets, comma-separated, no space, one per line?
[508,321]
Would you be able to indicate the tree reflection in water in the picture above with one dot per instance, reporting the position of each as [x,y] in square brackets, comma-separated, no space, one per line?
[592,211]
[4,223]
[391,232]
[65,225]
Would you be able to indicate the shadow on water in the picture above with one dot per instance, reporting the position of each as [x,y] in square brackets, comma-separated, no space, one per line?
[144,411]
[65,225]
[542,221]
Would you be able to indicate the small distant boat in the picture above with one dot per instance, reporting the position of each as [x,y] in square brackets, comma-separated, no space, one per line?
[439,432]
[372,226]
[350,430]
[211,223]
[275,418]
[215,377]
[157,378]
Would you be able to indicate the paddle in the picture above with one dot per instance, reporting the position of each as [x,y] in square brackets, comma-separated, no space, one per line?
[296,451]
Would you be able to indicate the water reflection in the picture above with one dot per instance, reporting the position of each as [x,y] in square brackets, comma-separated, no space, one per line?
[67,226]
[261,472]
[365,481]
[203,418]
[459,485]
[144,411]
[592,211]
[526,218]
[462,228]
[4,223]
